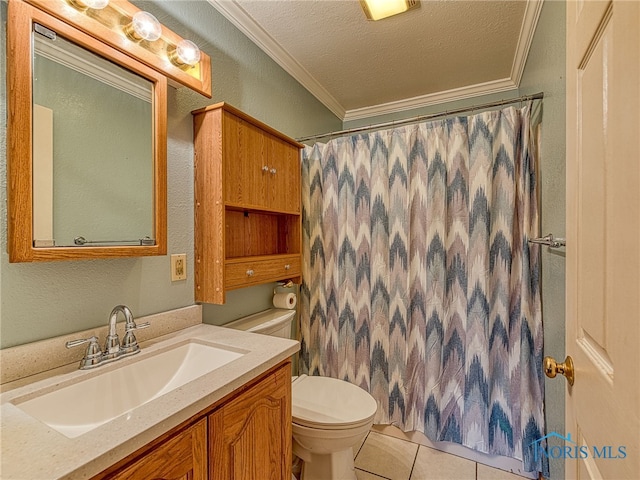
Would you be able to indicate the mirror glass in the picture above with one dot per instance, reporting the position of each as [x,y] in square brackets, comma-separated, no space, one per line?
[93,148]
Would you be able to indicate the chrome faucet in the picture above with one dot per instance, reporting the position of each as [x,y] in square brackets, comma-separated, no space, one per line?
[112,348]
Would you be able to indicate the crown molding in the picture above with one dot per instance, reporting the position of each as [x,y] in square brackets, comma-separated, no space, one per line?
[527,31]
[233,12]
[238,16]
[494,86]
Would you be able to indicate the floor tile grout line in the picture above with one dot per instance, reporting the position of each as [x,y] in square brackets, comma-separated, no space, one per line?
[373,473]
[415,459]
[361,445]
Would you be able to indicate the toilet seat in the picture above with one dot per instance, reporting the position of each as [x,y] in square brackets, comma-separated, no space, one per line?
[330,404]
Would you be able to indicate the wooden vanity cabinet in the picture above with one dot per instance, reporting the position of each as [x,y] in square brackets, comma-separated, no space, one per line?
[250,436]
[181,457]
[247,203]
[244,436]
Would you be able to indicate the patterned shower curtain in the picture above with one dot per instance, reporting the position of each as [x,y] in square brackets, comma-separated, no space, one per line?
[419,283]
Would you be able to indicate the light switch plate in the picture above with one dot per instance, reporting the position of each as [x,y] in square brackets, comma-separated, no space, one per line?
[178,267]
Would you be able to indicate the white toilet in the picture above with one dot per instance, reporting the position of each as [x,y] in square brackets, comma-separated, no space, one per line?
[330,416]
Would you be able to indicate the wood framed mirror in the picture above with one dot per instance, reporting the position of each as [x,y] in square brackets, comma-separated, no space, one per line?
[83,160]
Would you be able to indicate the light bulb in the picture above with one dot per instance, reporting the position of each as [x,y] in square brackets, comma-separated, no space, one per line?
[93,4]
[186,53]
[144,26]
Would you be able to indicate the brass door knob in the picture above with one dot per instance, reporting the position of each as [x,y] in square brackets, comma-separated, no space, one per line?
[552,368]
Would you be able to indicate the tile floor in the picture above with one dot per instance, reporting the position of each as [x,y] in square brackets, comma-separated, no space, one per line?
[384,457]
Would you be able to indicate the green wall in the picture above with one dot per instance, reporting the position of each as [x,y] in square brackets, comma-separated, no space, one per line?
[43,300]
[545,71]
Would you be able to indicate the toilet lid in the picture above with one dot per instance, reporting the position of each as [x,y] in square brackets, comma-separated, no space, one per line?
[330,403]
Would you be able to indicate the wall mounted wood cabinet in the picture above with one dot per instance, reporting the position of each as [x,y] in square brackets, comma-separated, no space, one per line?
[244,436]
[247,203]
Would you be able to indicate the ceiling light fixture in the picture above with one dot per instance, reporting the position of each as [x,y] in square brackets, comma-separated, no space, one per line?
[379,9]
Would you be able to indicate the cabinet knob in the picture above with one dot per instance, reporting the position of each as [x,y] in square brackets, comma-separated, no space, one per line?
[265,168]
[250,273]
[287,266]
[273,171]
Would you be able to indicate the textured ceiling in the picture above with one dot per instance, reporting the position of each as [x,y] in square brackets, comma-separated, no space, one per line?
[444,50]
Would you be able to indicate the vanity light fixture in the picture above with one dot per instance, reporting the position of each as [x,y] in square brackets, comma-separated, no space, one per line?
[144,26]
[186,53]
[379,9]
[149,42]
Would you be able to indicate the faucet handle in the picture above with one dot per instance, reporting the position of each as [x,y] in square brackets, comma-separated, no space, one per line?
[129,327]
[93,355]
[129,342]
[92,341]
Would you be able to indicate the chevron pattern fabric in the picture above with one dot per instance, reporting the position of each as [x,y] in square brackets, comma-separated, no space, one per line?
[419,282]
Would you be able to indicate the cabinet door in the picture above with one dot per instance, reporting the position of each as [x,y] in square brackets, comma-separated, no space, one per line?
[246,170]
[236,155]
[182,457]
[291,181]
[261,170]
[251,435]
[256,178]
[284,185]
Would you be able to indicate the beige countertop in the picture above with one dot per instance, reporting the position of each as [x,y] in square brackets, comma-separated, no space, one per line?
[32,450]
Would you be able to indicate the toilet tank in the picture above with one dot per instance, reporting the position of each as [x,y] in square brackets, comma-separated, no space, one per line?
[275,322]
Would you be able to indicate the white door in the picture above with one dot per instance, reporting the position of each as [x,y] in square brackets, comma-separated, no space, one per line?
[603,238]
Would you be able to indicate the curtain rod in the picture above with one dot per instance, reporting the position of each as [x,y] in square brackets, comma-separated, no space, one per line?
[419,118]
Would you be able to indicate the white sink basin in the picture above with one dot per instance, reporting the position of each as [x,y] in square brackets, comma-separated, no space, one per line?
[80,407]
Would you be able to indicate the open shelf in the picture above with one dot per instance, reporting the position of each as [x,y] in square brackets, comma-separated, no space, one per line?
[251,233]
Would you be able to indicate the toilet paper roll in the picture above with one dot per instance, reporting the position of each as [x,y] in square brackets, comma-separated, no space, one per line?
[285,300]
